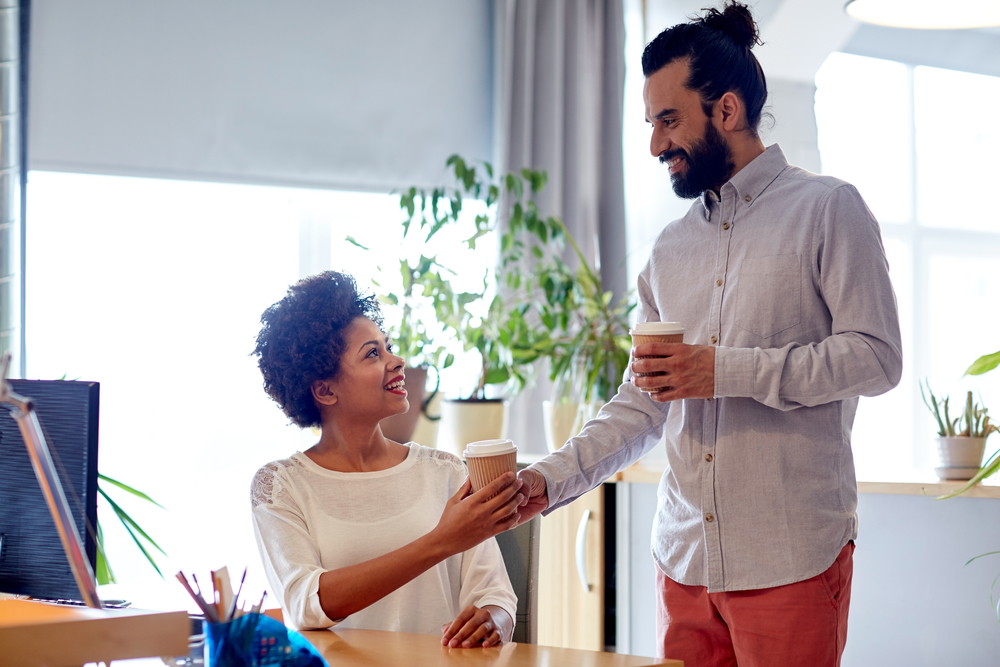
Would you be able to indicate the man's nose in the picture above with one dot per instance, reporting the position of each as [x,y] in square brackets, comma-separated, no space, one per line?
[658,143]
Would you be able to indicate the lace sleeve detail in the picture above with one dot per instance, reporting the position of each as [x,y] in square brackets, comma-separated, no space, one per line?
[444,459]
[263,487]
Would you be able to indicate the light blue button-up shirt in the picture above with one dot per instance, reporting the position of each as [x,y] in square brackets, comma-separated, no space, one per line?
[786,275]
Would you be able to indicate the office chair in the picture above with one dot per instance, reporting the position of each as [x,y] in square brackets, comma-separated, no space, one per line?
[519,547]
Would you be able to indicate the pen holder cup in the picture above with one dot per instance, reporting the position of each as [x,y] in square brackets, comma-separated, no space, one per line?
[254,640]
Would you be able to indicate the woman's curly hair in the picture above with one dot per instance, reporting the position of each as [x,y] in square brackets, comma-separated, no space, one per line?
[302,339]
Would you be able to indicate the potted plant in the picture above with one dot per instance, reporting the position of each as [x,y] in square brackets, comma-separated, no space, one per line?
[486,321]
[961,441]
[420,345]
[587,339]
[983,364]
[590,343]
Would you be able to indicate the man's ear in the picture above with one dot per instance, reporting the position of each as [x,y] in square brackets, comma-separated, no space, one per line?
[730,109]
[323,393]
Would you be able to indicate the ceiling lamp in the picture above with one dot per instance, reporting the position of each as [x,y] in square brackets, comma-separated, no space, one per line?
[926,14]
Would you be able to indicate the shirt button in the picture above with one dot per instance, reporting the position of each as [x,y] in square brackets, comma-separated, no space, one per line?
[710,518]
[718,283]
[708,457]
[747,198]
[715,339]
[725,225]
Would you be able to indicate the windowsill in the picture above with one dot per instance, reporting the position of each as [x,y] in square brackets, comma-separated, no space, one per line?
[927,485]
[932,487]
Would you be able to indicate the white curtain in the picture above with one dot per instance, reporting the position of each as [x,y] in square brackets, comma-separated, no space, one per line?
[560,76]
[318,93]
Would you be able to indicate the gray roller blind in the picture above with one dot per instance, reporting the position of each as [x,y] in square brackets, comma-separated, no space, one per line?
[365,94]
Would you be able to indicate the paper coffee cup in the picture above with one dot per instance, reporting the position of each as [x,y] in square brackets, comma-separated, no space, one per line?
[488,459]
[655,332]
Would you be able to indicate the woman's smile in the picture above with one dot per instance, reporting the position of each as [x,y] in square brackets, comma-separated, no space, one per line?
[396,386]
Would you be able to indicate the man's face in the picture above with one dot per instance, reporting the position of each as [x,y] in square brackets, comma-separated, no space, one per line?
[684,137]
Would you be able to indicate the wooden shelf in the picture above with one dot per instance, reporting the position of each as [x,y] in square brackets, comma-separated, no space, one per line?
[643,474]
[38,633]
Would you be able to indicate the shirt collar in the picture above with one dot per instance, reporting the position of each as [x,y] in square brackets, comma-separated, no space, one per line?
[753,179]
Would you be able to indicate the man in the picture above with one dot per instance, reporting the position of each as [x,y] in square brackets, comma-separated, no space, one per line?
[780,280]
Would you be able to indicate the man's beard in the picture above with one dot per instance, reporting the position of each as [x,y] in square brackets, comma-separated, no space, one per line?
[709,165]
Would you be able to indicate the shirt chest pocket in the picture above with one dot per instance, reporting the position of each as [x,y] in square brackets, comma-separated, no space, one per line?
[769,294]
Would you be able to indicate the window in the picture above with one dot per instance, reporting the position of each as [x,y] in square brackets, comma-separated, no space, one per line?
[912,142]
[154,289]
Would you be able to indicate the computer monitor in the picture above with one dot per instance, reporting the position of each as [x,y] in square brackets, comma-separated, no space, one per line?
[32,559]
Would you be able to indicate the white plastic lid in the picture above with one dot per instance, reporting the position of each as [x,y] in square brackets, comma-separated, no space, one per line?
[656,328]
[489,448]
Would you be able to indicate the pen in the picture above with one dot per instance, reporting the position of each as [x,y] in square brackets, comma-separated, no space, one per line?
[256,609]
[232,607]
[198,599]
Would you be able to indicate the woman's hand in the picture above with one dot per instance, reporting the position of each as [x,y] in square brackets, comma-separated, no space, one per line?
[469,519]
[476,626]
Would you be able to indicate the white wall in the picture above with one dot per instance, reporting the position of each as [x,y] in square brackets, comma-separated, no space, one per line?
[912,602]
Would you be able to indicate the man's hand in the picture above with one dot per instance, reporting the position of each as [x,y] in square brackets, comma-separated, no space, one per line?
[476,626]
[535,494]
[688,370]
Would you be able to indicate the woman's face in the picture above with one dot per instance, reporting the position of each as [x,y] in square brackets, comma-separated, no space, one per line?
[370,382]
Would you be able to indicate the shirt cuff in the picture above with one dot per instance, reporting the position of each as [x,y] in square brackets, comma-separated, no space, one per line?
[734,371]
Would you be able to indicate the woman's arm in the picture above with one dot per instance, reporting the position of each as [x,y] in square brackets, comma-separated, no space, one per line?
[465,522]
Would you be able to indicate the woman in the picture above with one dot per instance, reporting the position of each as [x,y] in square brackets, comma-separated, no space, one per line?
[359,530]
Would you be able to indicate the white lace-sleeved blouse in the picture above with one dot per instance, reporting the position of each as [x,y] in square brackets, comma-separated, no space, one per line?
[308,520]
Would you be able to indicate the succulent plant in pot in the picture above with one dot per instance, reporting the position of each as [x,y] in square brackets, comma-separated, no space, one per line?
[961,440]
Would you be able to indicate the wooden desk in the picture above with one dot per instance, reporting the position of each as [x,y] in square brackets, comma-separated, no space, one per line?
[38,633]
[374,648]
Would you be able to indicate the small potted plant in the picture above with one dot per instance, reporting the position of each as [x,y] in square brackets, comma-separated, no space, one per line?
[489,321]
[961,441]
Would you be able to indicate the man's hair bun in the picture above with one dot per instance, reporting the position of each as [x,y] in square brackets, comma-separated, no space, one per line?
[736,21]
[718,47]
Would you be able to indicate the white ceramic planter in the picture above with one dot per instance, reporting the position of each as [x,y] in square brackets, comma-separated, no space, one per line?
[465,421]
[426,430]
[959,457]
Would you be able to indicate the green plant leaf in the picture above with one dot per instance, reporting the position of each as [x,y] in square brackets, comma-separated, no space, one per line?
[126,487]
[984,364]
[132,527]
[103,572]
[988,553]
[352,241]
[129,521]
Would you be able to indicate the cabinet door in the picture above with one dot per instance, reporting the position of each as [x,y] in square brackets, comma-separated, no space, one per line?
[572,543]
